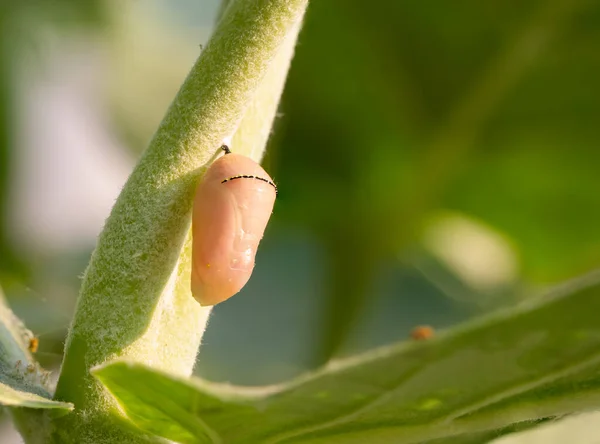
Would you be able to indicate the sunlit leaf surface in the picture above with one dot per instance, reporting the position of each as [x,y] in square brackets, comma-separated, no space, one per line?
[539,360]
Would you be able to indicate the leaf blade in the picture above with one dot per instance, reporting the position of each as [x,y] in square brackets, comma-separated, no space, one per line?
[11,397]
[21,378]
[478,379]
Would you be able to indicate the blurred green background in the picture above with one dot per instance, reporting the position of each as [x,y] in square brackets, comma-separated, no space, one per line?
[435,161]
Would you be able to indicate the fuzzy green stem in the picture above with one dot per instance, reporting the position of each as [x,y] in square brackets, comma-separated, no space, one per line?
[135,301]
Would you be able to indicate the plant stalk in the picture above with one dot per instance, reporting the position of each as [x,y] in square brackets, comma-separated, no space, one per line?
[135,301]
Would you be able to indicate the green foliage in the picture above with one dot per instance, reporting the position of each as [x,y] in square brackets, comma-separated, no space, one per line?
[12,397]
[396,113]
[522,365]
[410,108]
[15,356]
[23,383]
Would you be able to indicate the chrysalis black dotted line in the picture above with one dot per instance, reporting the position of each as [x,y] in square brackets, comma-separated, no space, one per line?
[244,176]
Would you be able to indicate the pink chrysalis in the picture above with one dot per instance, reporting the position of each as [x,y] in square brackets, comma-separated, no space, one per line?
[232,206]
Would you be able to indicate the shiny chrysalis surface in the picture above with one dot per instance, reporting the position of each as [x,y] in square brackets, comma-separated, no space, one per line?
[232,206]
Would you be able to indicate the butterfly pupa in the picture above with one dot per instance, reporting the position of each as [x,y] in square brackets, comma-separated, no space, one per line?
[232,206]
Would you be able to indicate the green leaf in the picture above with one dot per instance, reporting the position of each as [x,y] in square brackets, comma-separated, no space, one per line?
[13,339]
[168,409]
[515,368]
[22,380]
[487,436]
[12,397]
